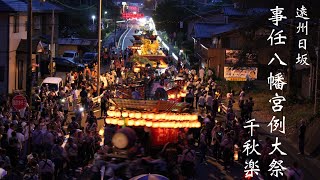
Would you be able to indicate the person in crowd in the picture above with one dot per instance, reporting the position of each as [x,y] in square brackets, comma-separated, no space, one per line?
[46,167]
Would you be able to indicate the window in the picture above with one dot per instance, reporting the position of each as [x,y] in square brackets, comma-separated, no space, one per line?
[2,71]
[16,23]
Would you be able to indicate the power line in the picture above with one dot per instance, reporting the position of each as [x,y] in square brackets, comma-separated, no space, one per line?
[77,9]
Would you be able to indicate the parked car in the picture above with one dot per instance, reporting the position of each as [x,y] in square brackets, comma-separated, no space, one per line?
[64,64]
[89,58]
[71,55]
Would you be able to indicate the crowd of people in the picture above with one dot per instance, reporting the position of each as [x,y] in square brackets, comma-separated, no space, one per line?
[53,139]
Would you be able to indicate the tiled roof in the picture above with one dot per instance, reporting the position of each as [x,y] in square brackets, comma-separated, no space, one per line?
[77,41]
[4,7]
[22,48]
[231,11]
[22,6]
[205,30]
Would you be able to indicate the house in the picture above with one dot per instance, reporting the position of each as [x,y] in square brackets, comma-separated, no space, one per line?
[80,45]
[219,40]
[13,34]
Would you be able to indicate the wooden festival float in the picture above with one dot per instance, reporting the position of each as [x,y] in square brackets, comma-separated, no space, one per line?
[162,119]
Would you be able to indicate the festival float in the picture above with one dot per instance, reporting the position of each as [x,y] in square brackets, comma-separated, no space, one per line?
[162,119]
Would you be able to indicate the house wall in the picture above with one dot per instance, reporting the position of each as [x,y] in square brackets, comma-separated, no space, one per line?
[216,59]
[15,38]
[4,47]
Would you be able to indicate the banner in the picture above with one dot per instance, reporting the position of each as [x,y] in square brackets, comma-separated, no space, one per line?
[240,73]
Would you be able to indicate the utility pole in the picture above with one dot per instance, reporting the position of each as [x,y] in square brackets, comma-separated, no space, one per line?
[99,47]
[29,54]
[52,44]
[29,67]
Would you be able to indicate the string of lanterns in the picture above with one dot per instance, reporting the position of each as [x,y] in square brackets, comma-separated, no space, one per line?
[154,120]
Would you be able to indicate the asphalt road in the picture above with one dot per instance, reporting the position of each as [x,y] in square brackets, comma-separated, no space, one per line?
[210,170]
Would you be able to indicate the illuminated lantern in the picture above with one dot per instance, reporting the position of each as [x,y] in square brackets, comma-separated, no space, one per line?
[176,125]
[194,117]
[137,123]
[172,124]
[120,122]
[130,122]
[149,123]
[101,132]
[108,120]
[219,109]
[155,124]
[125,114]
[150,116]
[117,114]
[198,124]
[111,113]
[144,115]
[138,115]
[157,116]
[142,122]
[114,121]
[178,95]
[132,114]
[163,115]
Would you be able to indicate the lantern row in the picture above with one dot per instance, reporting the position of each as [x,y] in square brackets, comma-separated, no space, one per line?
[153,116]
[153,124]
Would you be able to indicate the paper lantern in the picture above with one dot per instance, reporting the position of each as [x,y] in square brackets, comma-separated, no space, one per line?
[114,121]
[198,125]
[101,132]
[125,114]
[132,114]
[137,123]
[142,122]
[120,122]
[163,115]
[144,115]
[130,122]
[138,115]
[108,120]
[176,125]
[150,116]
[117,114]
[155,124]
[157,116]
[111,113]
[194,117]
[149,123]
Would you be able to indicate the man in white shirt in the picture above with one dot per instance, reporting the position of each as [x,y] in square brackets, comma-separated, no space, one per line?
[201,74]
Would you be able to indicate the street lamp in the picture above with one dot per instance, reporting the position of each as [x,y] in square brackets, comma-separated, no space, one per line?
[93,17]
[105,13]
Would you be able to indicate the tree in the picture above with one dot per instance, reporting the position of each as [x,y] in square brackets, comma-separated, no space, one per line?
[168,15]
